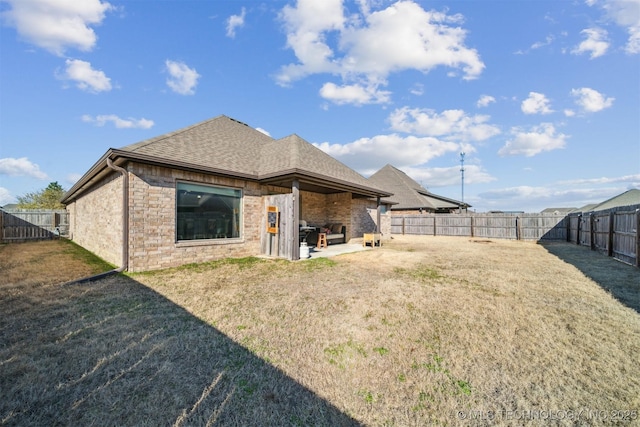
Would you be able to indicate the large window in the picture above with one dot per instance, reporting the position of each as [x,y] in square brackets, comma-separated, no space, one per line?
[207,212]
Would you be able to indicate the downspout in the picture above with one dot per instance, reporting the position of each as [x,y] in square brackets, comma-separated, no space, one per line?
[125,215]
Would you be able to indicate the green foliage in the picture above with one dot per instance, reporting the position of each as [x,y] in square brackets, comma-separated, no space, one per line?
[47,198]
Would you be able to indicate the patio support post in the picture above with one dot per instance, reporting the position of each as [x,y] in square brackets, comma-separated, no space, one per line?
[295,247]
[378,228]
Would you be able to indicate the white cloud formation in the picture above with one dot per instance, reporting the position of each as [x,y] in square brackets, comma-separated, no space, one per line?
[234,22]
[450,124]
[354,94]
[6,197]
[370,45]
[537,103]
[400,151]
[72,178]
[591,100]
[129,123]
[596,43]
[441,177]
[485,100]
[539,139]
[182,79]
[20,167]
[524,197]
[85,77]
[263,131]
[57,25]
[626,14]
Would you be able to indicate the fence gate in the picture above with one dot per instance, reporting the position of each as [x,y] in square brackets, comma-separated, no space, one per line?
[278,244]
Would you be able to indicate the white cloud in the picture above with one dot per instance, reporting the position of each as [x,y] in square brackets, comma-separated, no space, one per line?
[596,43]
[263,131]
[119,123]
[441,177]
[626,14]
[20,167]
[182,79]
[57,25]
[548,40]
[72,178]
[485,100]
[370,45]
[6,197]
[417,89]
[450,124]
[537,103]
[538,139]
[633,180]
[591,100]
[354,94]
[366,154]
[85,76]
[234,22]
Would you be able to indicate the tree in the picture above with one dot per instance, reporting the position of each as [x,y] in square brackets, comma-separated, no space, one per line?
[48,198]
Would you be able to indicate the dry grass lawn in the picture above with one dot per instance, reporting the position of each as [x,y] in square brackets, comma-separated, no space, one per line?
[423,331]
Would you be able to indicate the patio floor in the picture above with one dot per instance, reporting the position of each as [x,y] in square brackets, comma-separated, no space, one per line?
[333,250]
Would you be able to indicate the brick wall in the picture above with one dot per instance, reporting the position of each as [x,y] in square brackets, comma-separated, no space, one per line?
[96,218]
[320,209]
[95,221]
[152,220]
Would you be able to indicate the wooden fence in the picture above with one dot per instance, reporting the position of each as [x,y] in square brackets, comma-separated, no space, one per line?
[34,224]
[615,232]
[524,226]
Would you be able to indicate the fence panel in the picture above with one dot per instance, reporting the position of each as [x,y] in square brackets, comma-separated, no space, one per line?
[34,224]
[624,236]
[613,231]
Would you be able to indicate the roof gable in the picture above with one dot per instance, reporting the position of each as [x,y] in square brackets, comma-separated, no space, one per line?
[228,144]
[407,193]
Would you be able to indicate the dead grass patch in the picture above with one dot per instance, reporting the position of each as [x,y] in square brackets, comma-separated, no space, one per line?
[421,331]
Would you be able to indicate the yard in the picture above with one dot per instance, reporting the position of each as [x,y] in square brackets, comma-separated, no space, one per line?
[423,331]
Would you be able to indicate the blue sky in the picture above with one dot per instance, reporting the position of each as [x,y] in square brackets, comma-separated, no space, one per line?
[542,96]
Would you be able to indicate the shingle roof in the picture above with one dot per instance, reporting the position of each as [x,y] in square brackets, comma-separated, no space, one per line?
[628,198]
[407,193]
[226,146]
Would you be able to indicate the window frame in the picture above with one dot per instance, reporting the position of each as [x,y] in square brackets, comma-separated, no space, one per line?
[210,239]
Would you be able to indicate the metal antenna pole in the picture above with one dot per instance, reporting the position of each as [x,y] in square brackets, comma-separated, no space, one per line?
[462,176]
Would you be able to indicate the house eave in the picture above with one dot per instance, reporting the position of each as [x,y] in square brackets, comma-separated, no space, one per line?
[119,157]
[287,176]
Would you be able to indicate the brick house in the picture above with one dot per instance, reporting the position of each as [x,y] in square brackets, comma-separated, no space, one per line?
[202,193]
[409,197]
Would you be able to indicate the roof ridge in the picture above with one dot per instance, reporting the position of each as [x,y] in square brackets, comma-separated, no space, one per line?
[144,143]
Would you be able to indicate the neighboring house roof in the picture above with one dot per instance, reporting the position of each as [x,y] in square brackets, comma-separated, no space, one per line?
[408,194]
[628,198]
[558,211]
[9,207]
[227,147]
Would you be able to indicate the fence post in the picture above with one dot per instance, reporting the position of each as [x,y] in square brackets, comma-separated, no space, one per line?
[578,229]
[612,216]
[1,226]
[592,231]
[517,228]
[471,218]
[637,237]
[403,218]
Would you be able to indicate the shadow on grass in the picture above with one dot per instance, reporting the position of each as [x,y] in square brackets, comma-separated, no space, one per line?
[621,280]
[115,352]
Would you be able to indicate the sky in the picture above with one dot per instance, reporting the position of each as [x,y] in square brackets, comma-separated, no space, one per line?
[542,97]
